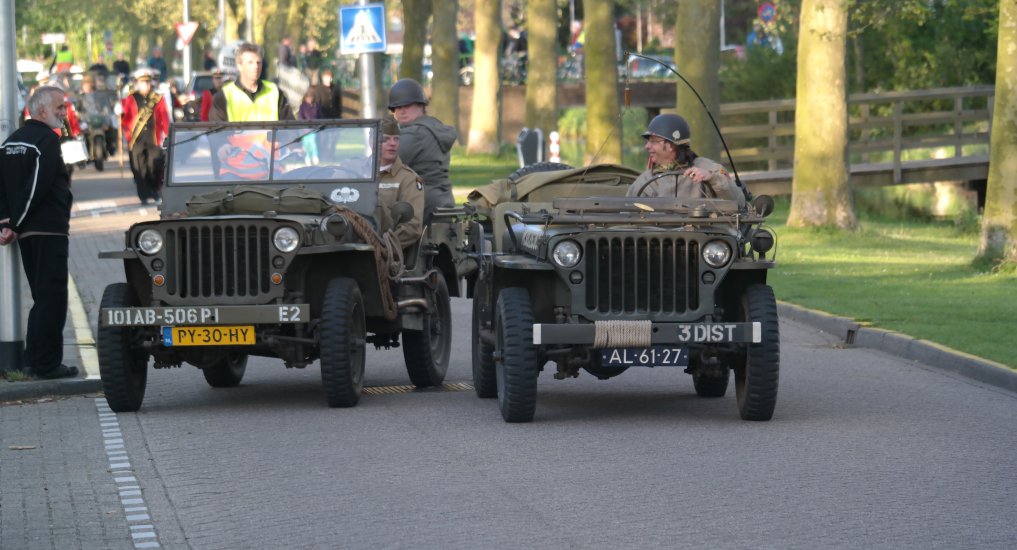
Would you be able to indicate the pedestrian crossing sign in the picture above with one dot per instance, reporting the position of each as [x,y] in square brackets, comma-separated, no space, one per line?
[362,28]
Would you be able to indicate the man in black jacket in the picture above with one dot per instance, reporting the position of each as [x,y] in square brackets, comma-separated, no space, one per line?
[35,210]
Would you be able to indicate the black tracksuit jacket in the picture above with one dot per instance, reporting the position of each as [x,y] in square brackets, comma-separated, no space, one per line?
[35,188]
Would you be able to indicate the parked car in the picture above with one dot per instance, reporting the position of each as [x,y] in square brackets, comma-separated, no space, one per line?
[200,81]
[642,68]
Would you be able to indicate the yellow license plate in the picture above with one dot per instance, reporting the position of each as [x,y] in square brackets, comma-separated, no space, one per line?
[225,335]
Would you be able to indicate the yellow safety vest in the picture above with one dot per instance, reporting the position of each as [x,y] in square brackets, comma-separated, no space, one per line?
[240,108]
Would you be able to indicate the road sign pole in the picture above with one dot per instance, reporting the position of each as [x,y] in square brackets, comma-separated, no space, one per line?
[187,45]
[11,343]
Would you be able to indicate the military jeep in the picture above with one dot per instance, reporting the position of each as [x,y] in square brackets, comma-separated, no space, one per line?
[574,272]
[263,249]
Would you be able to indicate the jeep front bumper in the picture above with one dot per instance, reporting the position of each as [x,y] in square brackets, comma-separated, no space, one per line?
[611,334]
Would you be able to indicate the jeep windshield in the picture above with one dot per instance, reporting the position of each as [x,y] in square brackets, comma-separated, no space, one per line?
[268,152]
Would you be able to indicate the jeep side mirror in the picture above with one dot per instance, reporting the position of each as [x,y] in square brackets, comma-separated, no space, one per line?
[763,205]
[401,212]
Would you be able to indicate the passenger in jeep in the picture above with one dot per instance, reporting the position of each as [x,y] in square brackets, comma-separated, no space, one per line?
[398,184]
[675,170]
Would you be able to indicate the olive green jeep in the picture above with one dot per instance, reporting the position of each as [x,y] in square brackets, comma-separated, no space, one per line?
[573,271]
[264,249]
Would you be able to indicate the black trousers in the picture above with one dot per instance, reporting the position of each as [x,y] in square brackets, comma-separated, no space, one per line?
[147,167]
[45,261]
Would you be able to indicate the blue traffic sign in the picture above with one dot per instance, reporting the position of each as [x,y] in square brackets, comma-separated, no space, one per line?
[362,28]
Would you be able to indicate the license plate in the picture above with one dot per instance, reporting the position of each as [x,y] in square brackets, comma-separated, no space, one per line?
[240,335]
[656,356]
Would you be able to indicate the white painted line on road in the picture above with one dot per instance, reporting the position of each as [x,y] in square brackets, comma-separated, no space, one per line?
[140,524]
[83,333]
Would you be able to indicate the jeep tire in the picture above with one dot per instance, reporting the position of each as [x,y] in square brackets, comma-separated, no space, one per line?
[757,370]
[342,342]
[516,365]
[226,372]
[427,351]
[484,380]
[122,366]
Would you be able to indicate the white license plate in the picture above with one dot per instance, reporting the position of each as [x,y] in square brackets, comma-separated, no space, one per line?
[225,335]
[656,356]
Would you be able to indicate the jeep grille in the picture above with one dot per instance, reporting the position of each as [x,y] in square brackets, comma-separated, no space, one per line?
[220,260]
[641,274]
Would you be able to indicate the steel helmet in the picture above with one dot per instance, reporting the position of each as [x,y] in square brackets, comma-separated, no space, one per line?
[670,127]
[406,92]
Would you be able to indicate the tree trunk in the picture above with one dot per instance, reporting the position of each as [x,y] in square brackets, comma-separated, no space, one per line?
[697,47]
[820,188]
[415,16]
[485,116]
[999,225]
[603,134]
[445,63]
[542,60]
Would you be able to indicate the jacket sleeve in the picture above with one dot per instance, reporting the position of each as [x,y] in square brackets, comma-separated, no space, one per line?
[130,113]
[38,169]
[161,125]
[285,113]
[218,111]
[413,193]
[206,105]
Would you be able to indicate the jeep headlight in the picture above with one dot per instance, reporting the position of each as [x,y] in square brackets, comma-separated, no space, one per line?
[150,241]
[567,253]
[286,239]
[716,253]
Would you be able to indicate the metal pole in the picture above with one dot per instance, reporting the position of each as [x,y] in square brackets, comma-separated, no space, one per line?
[368,90]
[249,15]
[12,345]
[187,46]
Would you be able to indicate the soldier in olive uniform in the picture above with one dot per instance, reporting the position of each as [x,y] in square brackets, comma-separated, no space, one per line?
[425,142]
[675,170]
[398,184]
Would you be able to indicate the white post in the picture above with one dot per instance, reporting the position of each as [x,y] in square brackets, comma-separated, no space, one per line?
[12,344]
[187,46]
[368,87]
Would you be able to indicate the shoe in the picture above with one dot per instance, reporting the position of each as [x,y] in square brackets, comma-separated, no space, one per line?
[63,371]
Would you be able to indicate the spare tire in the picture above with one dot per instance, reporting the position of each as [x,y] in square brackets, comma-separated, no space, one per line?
[537,167]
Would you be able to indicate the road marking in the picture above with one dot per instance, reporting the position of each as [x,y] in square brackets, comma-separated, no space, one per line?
[409,388]
[83,333]
[139,522]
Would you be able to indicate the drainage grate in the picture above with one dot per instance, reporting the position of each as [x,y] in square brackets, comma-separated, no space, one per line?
[409,388]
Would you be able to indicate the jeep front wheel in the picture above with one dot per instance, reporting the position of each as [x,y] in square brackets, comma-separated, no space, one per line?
[226,372]
[342,342]
[484,382]
[426,352]
[757,369]
[516,365]
[123,365]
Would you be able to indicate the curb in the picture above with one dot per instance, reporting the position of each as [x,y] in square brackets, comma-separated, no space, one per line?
[15,391]
[904,346]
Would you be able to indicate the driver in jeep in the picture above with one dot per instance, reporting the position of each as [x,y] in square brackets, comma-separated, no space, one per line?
[675,170]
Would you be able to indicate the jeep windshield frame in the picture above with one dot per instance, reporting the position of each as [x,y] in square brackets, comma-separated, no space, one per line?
[216,154]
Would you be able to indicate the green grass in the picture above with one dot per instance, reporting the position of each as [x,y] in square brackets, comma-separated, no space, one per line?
[913,277]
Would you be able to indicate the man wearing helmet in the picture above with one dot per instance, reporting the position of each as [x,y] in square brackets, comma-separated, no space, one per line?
[424,143]
[675,170]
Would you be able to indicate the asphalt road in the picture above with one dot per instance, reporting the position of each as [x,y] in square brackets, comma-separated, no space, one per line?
[865,450]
